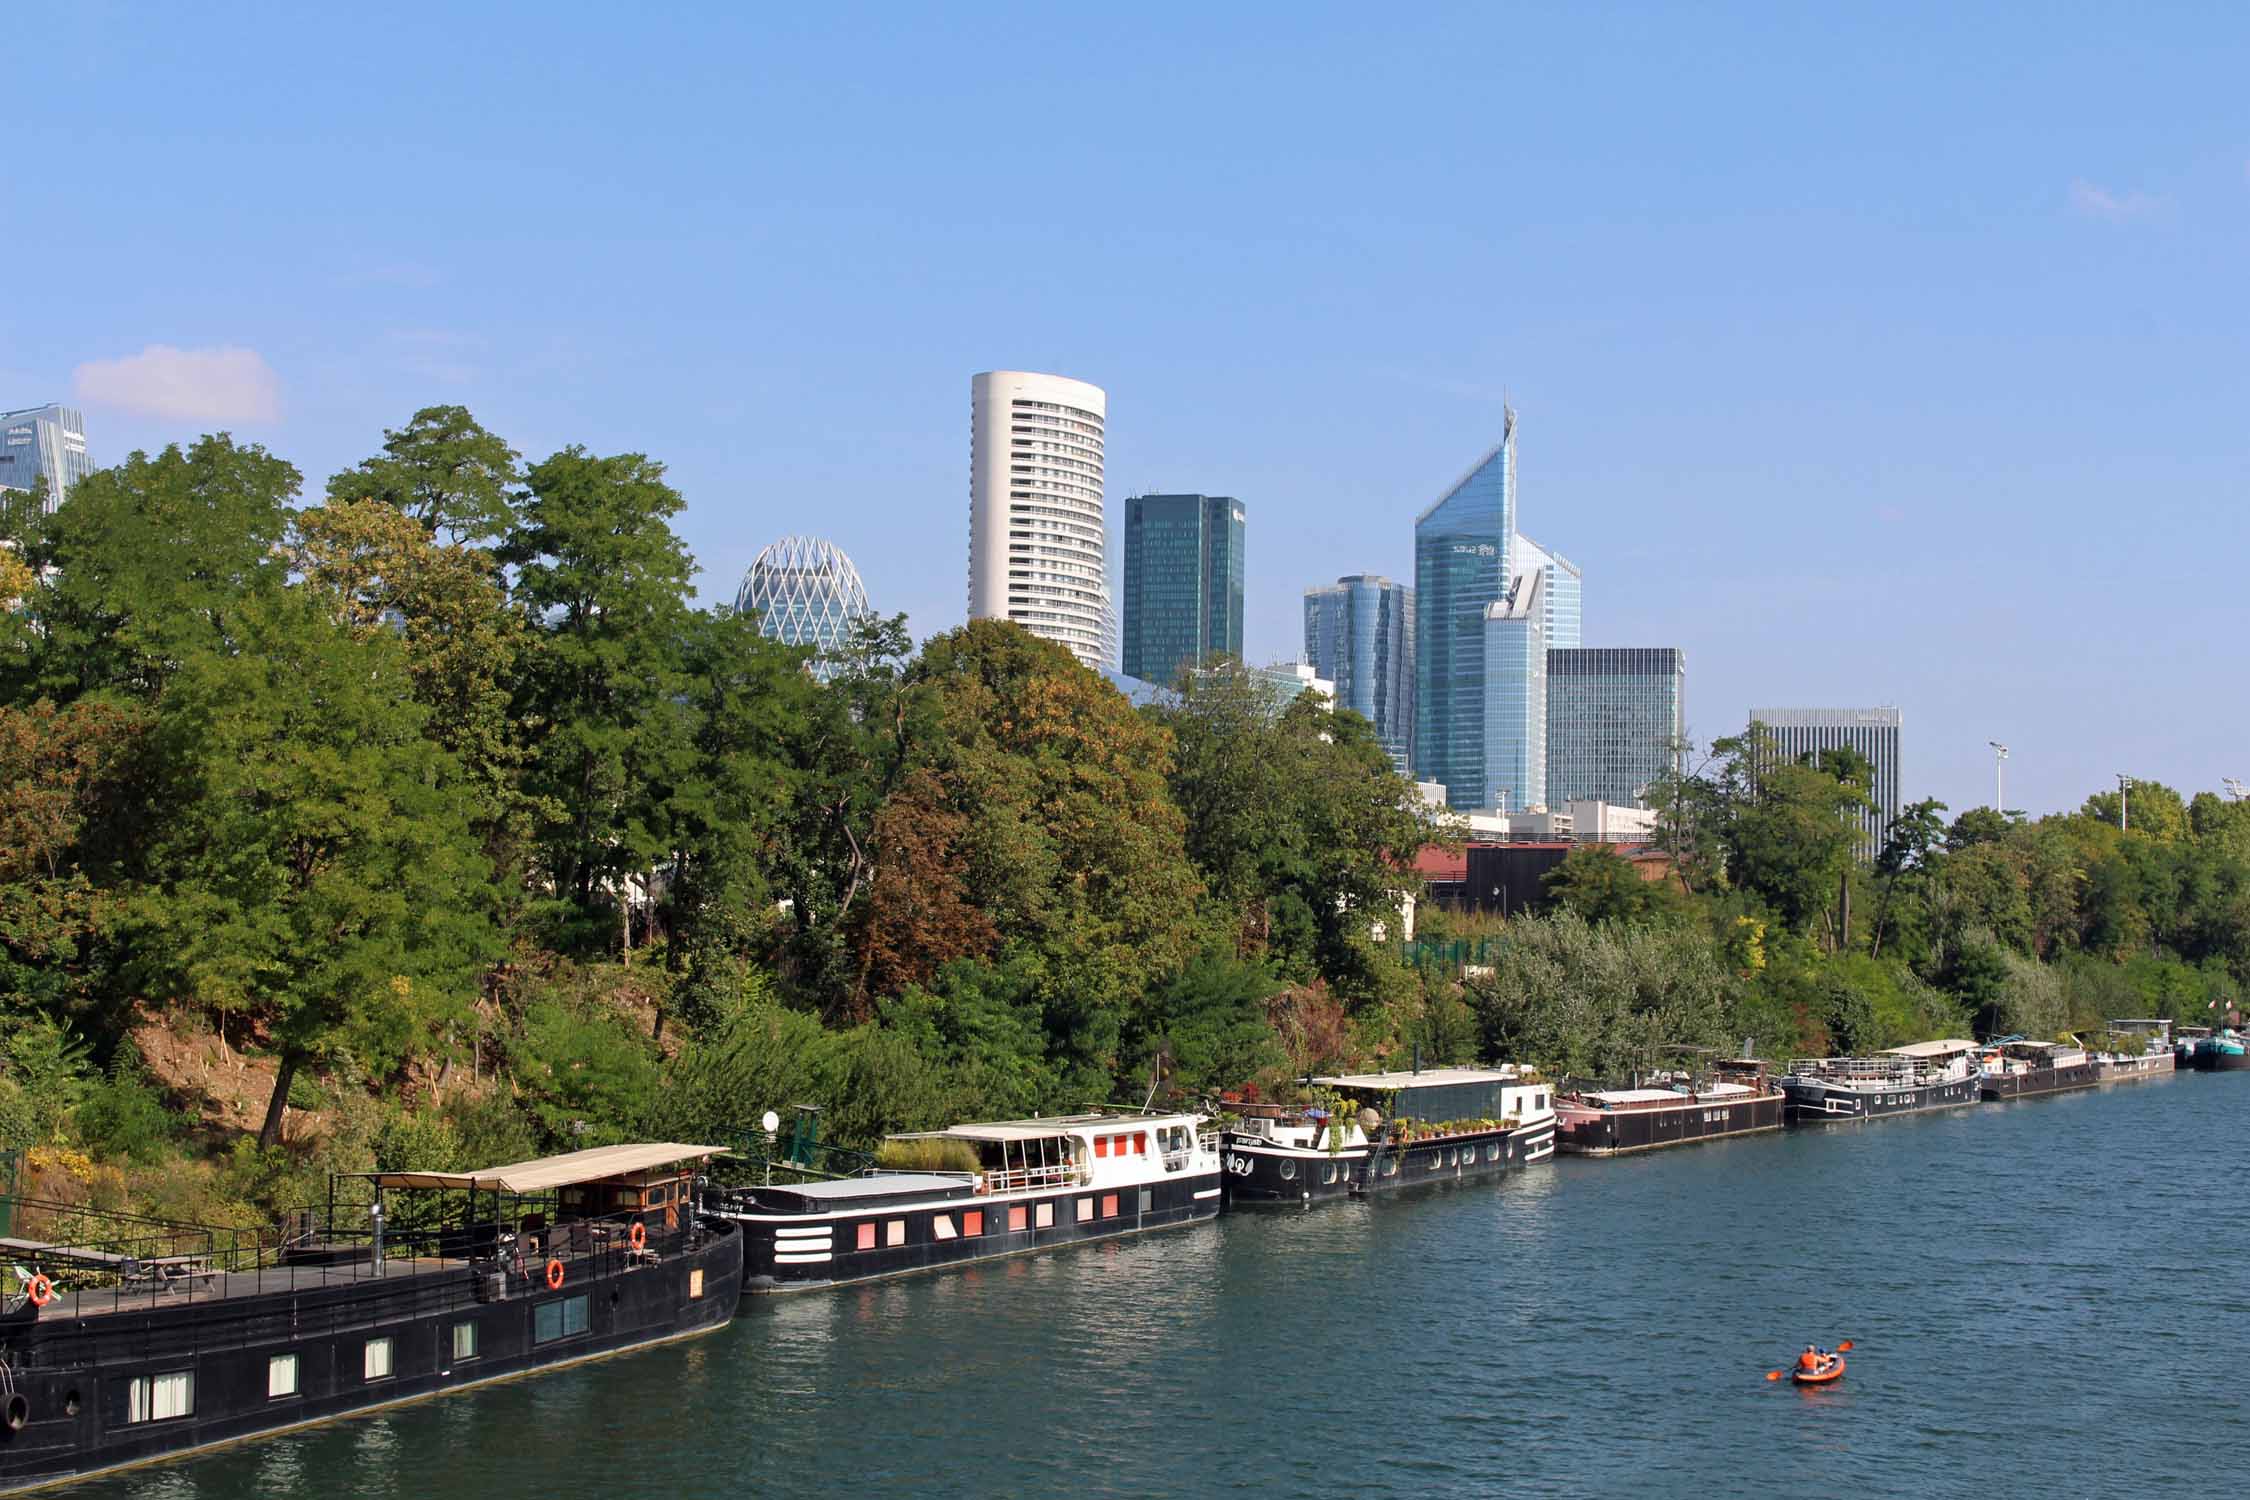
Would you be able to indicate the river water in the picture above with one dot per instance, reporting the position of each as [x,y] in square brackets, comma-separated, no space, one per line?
[2036,1291]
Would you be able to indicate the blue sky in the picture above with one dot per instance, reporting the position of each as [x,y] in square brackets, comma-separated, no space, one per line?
[1895,357]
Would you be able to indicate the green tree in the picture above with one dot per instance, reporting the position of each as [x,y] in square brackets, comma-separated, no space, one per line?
[1915,838]
[604,583]
[1601,885]
[313,868]
[151,558]
[442,469]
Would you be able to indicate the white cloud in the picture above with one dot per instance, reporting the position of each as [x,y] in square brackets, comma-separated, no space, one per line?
[186,385]
[2097,202]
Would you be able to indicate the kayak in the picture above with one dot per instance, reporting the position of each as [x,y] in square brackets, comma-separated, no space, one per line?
[1828,1372]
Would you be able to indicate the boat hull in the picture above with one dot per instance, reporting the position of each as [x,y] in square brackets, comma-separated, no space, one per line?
[1813,1101]
[80,1390]
[2211,1060]
[2130,1069]
[1260,1171]
[816,1252]
[2005,1086]
[1584,1131]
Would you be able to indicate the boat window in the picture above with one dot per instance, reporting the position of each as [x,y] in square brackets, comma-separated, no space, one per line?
[1085,1210]
[972,1222]
[942,1226]
[160,1398]
[695,1283]
[1288,1170]
[464,1341]
[558,1320]
[375,1362]
[1390,1168]
[1328,1172]
[1140,1143]
[1019,1218]
[1101,1145]
[1109,1205]
[1148,1199]
[281,1376]
[894,1233]
[1045,1218]
[867,1235]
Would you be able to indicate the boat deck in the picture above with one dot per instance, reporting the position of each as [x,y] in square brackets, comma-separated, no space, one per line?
[190,1287]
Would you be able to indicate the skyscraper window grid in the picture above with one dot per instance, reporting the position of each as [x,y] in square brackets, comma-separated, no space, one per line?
[43,442]
[1037,539]
[1615,720]
[1873,732]
[1463,548]
[1182,585]
[1515,731]
[1359,633]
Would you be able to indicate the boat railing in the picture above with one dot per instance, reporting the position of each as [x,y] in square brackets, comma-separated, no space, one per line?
[1033,1178]
[101,1264]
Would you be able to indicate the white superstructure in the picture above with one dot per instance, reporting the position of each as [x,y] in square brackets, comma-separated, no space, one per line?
[1037,540]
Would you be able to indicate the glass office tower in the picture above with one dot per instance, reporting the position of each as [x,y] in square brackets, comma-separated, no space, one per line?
[805,592]
[1873,732]
[1515,697]
[1183,583]
[1359,634]
[43,442]
[1564,585]
[1462,567]
[1615,719]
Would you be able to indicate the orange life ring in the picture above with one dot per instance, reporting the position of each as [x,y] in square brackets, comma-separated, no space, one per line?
[639,1237]
[554,1275]
[42,1291]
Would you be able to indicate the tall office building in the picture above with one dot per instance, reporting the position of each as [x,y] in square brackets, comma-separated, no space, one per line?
[1873,732]
[1615,719]
[806,593]
[1359,634]
[1515,697]
[1564,586]
[1462,566]
[43,442]
[1183,583]
[1036,537]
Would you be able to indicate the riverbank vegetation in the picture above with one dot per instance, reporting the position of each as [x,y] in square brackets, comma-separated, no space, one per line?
[427,820]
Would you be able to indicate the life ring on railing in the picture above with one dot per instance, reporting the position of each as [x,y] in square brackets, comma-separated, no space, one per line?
[638,1239]
[42,1291]
[554,1275]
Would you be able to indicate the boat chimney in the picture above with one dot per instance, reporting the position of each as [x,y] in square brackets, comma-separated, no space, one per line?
[1417,1057]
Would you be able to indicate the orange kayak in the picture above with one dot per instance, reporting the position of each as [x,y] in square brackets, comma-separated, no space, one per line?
[1828,1372]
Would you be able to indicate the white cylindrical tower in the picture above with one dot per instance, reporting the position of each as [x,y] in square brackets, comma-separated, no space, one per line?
[1037,542]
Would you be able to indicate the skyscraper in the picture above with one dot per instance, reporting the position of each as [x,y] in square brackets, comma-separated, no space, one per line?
[1615,716]
[1564,586]
[1036,537]
[1515,697]
[1359,634]
[43,442]
[1462,566]
[1183,583]
[1873,732]
[806,593]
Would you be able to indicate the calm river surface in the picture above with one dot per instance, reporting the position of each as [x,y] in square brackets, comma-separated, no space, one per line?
[2036,1291]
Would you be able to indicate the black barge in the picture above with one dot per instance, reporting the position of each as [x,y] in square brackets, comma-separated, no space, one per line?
[1380,1131]
[1904,1080]
[2017,1069]
[132,1339]
[1737,1099]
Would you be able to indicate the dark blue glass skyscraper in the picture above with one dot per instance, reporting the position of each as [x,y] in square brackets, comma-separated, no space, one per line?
[1183,583]
[1462,566]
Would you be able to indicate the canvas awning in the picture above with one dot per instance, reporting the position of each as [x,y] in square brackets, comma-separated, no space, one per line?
[1933,1049]
[546,1173]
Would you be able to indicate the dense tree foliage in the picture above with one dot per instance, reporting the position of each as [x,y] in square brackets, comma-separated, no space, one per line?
[441,819]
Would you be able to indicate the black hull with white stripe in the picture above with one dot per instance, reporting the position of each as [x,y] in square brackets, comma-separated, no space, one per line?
[950,1225]
[2004,1086]
[1811,1101]
[1259,1170]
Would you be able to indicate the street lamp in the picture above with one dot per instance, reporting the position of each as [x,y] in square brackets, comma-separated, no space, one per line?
[1999,777]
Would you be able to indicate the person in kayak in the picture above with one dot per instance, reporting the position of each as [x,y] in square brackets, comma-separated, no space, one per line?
[1809,1361]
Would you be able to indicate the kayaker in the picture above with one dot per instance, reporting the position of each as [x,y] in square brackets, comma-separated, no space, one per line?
[1809,1360]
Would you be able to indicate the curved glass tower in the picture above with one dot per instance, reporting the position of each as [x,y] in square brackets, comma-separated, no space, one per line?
[1463,565]
[805,593]
[1359,633]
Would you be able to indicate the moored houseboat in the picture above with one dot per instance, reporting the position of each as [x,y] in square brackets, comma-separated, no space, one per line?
[2018,1068]
[2223,1051]
[1381,1131]
[1022,1185]
[134,1339]
[1903,1080]
[2185,1039]
[1737,1099]
[2122,1062]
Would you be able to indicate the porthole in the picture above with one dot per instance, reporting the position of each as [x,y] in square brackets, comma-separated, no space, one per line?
[70,1403]
[1390,1168]
[1288,1170]
[1328,1173]
[1452,1158]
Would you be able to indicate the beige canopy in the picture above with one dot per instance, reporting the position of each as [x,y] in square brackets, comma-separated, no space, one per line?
[543,1174]
[1934,1049]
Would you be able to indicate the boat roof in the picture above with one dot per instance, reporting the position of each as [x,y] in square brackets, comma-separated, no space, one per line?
[1427,1078]
[1039,1129]
[543,1173]
[1944,1048]
[881,1185]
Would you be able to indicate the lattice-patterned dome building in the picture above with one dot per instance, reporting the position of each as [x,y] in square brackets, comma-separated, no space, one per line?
[806,593]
